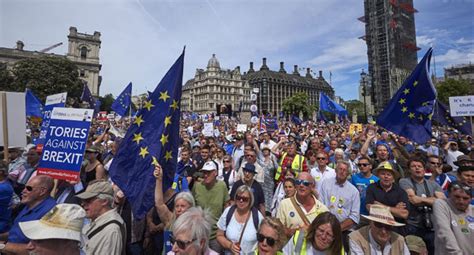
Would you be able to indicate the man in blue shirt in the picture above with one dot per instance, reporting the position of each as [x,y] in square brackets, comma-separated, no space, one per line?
[363,179]
[6,194]
[37,203]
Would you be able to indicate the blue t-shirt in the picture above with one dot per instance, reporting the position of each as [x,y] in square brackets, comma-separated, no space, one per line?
[16,235]
[6,194]
[361,183]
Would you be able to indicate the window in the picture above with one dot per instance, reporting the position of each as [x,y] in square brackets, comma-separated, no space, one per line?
[83,52]
[82,73]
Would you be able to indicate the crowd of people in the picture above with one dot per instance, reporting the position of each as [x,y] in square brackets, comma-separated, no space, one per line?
[309,188]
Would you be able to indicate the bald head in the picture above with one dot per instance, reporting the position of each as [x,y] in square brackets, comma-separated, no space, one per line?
[44,181]
[305,176]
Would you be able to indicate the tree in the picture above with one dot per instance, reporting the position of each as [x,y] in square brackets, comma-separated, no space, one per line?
[46,76]
[5,77]
[298,103]
[451,88]
[355,106]
[106,102]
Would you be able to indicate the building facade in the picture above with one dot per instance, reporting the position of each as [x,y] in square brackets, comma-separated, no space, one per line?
[460,72]
[83,50]
[365,86]
[391,46]
[275,86]
[215,86]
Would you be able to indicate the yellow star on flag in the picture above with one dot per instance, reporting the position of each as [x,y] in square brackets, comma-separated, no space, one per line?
[415,83]
[174,105]
[167,120]
[137,137]
[164,139]
[148,105]
[425,103]
[429,116]
[138,120]
[168,155]
[406,91]
[154,161]
[411,115]
[164,96]
[402,100]
[143,152]
[404,109]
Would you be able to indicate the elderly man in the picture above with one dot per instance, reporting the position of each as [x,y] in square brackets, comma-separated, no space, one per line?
[106,232]
[251,158]
[299,211]
[213,195]
[342,199]
[453,221]
[57,232]
[37,203]
[378,237]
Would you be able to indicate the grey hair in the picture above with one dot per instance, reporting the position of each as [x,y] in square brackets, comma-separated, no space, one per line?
[196,223]
[344,162]
[110,199]
[245,188]
[186,196]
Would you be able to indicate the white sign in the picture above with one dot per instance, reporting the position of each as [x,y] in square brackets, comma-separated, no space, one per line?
[253,108]
[16,119]
[208,129]
[56,98]
[254,119]
[461,106]
[253,97]
[242,128]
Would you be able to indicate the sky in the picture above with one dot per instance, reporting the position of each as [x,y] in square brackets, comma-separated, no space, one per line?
[141,39]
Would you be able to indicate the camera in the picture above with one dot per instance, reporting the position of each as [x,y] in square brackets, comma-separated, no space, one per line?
[426,212]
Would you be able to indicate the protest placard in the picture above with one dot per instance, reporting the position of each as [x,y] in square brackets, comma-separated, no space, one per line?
[65,143]
[355,128]
[461,106]
[12,119]
[208,129]
[241,128]
[56,100]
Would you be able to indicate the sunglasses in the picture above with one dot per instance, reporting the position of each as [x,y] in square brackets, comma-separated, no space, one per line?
[30,188]
[435,163]
[243,199]
[304,182]
[321,158]
[363,164]
[181,244]
[261,238]
[381,225]
[253,156]
[226,161]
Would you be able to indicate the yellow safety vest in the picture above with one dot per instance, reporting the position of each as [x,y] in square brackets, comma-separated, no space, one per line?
[302,249]
[296,165]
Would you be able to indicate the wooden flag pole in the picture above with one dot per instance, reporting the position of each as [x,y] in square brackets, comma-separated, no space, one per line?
[5,127]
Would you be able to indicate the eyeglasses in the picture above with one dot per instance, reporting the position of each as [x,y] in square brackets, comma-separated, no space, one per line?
[261,238]
[321,158]
[363,164]
[304,182]
[466,188]
[181,244]
[321,232]
[243,199]
[435,163]
[253,156]
[31,188]
[226,161]
[381,225]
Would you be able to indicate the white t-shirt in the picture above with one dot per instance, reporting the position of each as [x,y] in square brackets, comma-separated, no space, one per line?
[232,232]
[320,177]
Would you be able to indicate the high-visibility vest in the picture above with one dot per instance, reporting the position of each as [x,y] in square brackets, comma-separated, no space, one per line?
[299,243]
[296,165]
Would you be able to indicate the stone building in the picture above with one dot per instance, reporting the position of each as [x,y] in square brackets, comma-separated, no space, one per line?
[460,72]
[83,50]
[214,86]
[365,86]
[275,86]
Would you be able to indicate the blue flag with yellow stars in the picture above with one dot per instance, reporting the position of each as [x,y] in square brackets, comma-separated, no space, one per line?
[123,101]
[443,117]
[410,110]
[34,107]
[87,96]
[152,138]
[326,104]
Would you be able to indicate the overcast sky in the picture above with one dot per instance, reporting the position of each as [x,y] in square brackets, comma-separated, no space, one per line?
[142,38]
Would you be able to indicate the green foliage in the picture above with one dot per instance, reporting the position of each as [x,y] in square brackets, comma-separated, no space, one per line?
[6,78]
[297,104]
[106,102]
[355,105]
[451,88]
[46,76]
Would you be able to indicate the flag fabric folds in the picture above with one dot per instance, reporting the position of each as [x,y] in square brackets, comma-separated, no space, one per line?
[409,112]
[34,107]
[123,101]
[295,119]
[152,138]
[443,117]
[87,96]
[328,105]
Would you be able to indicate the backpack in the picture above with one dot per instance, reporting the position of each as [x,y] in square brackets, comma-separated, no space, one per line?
[231,212]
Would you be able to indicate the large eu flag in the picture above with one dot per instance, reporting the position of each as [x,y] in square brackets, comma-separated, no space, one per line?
[152,138]
[326,104]
[34,107]
[123,101]
[87,96]
[410,110]
[443,117]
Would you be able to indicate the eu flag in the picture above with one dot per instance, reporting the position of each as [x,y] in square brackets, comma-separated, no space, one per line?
[295,119]
[123,101]
[152,138]
[34,107]
[87,96]
[443,117]
[410,110]
[326,104]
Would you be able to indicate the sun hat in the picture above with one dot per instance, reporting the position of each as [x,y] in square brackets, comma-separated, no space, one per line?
[385,165]
[209,166]
[381,214]
[64,221]
[96,188]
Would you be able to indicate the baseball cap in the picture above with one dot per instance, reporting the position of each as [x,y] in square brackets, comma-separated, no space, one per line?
[96,188]
[209,166]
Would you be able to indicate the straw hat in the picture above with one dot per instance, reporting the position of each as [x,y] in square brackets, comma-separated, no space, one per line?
[385,165]
[381,214]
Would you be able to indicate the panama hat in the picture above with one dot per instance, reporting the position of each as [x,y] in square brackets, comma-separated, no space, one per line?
[381,214]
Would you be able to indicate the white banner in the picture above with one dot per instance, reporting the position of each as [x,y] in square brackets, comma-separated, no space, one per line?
[461,106]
